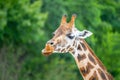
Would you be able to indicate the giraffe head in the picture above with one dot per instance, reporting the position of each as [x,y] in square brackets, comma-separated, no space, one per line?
[64,37]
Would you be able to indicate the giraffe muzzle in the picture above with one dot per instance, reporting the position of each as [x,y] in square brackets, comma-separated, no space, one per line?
[48,50]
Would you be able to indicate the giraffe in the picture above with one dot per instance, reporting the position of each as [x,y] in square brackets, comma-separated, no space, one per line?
[67,38]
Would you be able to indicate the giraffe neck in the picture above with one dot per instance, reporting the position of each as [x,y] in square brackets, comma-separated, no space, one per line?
[91,68]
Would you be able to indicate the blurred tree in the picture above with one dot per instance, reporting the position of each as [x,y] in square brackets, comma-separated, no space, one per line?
[21,36]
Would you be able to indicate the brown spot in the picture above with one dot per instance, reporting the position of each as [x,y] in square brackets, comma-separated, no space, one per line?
[73,52]
[83,45]
[71,49]
[86,70]
[74,43]
[90,66]
[91,59]
[101,65]
[63,50]
[79,47]
[102,74]
[58,49]
[94,76]
[68,47]
[81,57]
[109,76]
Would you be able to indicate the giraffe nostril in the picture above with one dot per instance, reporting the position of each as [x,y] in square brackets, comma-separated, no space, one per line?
[51,43]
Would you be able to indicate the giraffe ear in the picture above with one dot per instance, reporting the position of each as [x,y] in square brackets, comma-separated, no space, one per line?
[84,34]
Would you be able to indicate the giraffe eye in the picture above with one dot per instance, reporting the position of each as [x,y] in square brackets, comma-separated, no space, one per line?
[70,36]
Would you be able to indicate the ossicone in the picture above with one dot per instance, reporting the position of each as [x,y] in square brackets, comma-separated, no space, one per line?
[63,20]
[72,21]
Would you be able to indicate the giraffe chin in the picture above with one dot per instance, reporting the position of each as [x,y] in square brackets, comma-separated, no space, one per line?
[48,50]
[47,53]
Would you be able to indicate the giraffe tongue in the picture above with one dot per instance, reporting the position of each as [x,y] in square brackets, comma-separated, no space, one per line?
[48,50]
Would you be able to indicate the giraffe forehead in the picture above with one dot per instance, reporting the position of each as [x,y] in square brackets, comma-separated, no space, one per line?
[62,31]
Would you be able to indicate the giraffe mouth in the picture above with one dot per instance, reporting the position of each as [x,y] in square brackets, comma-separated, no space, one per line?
[48,50]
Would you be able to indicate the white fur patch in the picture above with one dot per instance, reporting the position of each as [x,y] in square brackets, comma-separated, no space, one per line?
[84,34]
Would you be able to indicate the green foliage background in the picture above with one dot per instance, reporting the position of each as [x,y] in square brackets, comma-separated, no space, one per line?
[26,25]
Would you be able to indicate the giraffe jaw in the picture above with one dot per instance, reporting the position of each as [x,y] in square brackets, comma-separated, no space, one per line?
[48,50]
